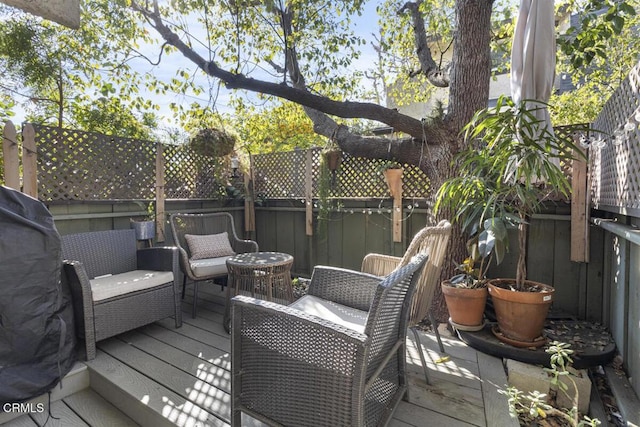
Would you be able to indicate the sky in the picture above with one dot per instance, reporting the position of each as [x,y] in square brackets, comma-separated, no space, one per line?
[365,25]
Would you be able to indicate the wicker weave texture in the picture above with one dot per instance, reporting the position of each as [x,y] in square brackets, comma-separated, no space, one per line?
[110,252]
[292,368]
[430,240]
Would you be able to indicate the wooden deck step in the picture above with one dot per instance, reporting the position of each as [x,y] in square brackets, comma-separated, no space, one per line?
[77,379]
[84,408]
[144,400]
[159,377]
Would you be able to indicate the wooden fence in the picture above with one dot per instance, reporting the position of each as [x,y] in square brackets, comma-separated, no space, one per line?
[614,153]
[20,159]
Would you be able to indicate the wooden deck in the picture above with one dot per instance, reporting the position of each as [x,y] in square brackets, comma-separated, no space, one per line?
[159,375]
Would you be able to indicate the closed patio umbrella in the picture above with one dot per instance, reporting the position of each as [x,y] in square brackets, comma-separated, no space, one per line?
[533,57]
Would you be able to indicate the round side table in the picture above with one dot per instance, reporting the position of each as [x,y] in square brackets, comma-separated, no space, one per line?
[264,275]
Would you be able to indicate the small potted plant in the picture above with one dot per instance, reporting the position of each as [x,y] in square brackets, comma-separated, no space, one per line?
[392,172]
[145,225]
[466,293]
[332,156]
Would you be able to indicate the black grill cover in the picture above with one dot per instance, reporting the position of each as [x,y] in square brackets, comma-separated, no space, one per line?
[37,339]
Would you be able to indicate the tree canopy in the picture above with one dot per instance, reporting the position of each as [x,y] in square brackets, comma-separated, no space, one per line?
[76,78]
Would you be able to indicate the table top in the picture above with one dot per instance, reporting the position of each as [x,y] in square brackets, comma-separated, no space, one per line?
[260,259]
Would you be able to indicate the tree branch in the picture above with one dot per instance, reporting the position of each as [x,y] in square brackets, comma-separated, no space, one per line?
[435,75]
[344,109]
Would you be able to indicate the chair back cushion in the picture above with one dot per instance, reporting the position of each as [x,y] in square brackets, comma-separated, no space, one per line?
[209,245]
[102,252]
[201,224]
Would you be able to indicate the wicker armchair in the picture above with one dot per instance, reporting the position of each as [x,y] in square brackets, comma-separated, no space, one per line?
[432,241]
[116,287]
[205,224]
[335,357]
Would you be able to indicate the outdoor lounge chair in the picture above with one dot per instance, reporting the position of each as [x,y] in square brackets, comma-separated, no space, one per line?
[432,241]
[116,287]
[335,357]
[210,263]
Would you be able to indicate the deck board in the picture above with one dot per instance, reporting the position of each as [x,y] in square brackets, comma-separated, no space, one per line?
[60,416]
[494,378]
[96,411]
[414,415]
[22,421]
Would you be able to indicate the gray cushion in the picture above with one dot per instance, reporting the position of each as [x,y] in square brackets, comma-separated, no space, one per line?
[110,286]
[209,266]
[348,317]
[209,245]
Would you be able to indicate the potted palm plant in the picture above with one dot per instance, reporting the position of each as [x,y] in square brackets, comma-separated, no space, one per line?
[509,169]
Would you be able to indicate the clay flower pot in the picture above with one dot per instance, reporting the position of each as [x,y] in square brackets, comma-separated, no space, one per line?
[521,315]
[466,306]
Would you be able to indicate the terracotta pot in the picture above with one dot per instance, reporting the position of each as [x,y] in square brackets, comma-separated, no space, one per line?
[394,181]
[521,315]
[466,306]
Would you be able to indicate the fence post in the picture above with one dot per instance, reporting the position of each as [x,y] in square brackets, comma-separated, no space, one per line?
[160,213]
[29,161]
[579,210]
[249,208]
[308,192]
[11,156]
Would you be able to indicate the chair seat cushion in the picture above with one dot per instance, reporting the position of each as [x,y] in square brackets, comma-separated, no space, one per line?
[209,266]
[120,284]
[348,317]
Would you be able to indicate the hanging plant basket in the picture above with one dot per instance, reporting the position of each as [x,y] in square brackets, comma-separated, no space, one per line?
[332,158]
[212,142]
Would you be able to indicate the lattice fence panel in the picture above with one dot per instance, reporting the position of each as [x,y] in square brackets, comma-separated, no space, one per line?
[615,161]
[282,176]
[189,175]
[76,165]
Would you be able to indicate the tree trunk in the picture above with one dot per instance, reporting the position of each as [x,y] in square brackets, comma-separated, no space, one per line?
[468,93]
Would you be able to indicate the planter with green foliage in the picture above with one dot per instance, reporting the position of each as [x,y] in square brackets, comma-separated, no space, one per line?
[509,169]
[212,142]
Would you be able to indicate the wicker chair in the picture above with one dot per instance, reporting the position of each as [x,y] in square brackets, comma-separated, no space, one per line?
[203,224]
[117,287]
[335,357]
[432,241]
